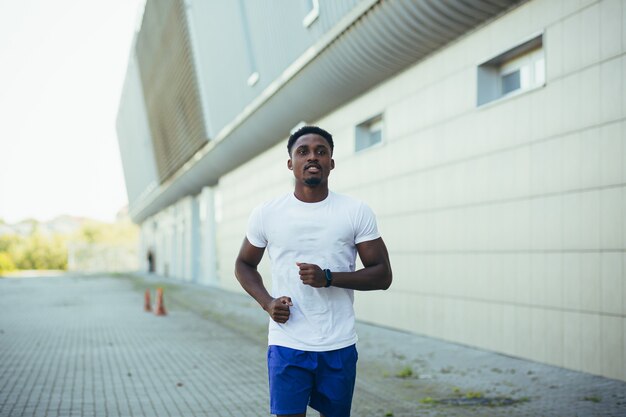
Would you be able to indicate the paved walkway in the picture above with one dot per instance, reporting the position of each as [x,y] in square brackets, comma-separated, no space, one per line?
[83,346]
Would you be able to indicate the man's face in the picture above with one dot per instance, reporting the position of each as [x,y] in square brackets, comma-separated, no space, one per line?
[311,160]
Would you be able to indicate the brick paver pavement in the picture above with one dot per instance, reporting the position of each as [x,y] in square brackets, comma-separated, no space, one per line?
[83,346]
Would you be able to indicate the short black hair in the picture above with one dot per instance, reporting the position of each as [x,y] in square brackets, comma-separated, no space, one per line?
[306,130]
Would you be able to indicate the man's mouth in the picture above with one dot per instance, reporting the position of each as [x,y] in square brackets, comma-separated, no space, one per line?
[313,168]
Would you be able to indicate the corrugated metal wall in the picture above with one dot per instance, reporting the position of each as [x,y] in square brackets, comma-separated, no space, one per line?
[170,86]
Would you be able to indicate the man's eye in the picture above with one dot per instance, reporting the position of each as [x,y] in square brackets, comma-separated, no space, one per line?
[321,152]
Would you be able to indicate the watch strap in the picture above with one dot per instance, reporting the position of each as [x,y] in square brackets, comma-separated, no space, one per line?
[329,277]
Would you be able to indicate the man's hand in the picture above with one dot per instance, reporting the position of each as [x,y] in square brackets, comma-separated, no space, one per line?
[278,309]
[312,275]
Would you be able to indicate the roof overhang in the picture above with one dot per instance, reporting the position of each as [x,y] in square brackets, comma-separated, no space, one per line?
[376,40]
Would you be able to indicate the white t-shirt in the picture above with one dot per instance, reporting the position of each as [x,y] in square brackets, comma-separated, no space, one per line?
[325,234]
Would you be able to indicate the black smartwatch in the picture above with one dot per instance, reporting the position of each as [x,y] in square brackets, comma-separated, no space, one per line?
[329,277]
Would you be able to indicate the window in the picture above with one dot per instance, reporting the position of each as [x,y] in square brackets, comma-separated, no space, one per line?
[368,133]
[519,69]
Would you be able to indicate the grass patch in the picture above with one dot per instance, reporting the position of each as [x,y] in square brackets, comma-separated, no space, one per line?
[473,399]
[592,398]
[474,394]
[406,372]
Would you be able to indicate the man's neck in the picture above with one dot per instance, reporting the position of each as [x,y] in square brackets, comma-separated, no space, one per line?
[309,194]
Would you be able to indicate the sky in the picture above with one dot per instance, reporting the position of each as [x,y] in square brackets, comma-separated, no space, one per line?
[62,67]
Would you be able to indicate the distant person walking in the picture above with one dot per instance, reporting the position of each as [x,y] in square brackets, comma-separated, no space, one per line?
[312,237]
[150,261]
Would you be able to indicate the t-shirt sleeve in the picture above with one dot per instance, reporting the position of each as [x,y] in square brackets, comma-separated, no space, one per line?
[366,227]
[255,232]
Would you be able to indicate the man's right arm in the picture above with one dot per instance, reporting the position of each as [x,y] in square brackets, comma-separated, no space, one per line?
[248,276]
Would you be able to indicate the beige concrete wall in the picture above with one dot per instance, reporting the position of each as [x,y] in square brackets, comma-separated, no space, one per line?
[170,234]
[505,223]
[237,194]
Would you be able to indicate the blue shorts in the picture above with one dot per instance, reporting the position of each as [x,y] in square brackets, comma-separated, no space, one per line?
[322,380]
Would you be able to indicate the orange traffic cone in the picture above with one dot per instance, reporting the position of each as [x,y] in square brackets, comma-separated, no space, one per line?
[159,308]
[147,306]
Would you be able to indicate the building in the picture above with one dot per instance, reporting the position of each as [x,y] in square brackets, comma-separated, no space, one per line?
[489,136]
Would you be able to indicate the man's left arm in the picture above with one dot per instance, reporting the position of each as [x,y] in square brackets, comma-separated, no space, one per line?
[375,274]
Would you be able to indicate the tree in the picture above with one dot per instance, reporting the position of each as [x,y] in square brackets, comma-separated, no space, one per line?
[6,263]
[44,251]
[40,252]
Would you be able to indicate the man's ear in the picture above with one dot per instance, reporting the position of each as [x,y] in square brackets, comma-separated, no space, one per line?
[332,164]
[289,164]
